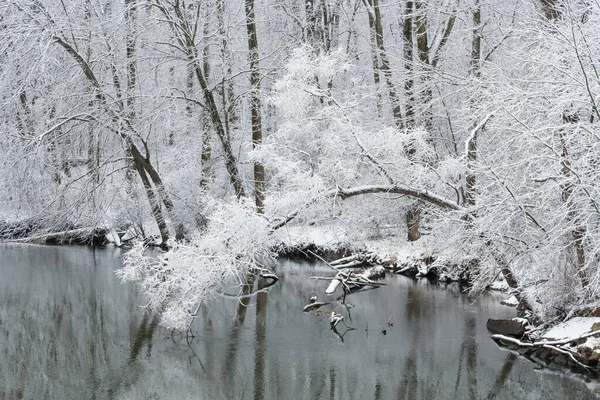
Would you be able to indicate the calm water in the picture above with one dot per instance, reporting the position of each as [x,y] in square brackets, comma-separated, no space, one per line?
[70,330]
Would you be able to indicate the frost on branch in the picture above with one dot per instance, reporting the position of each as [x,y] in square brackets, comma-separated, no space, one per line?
[178,281]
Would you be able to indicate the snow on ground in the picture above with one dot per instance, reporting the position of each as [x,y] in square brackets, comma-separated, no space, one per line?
[573,328]
[592,343]
[336,237]
[322,236]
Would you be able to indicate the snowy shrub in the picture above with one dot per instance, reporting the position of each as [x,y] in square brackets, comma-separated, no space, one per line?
[237,241]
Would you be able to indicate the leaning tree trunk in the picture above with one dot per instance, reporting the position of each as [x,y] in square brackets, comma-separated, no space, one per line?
[142,165]
[125,113]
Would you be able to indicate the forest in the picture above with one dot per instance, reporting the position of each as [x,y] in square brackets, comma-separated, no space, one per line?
[214,128]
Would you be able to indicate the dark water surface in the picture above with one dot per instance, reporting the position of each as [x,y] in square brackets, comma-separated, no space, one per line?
[70,330]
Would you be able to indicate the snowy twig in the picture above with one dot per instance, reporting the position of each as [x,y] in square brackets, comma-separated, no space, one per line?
[569,353]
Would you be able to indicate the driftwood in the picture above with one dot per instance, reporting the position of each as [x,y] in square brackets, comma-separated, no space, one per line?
[315,305]
[350,281]
[268,275]
[359,261]
[112,236]
[352,264]
[348,259]
[336,319]
[72,236]
[348,278]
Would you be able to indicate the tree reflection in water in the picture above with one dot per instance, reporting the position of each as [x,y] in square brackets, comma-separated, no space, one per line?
[70,330]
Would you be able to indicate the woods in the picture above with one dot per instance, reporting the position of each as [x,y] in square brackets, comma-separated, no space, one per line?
[471,125]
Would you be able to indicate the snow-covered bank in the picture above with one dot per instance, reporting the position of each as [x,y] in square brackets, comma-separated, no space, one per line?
[338,239]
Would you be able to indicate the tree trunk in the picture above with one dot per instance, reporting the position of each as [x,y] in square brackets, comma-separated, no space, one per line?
[385,63]
[407,31]
[423,56]
[183,31]
[475,72]
[578,233]
[227,92]
[550,9]
[130,18]
[154,205]
[255,104]
[375,59]
[413,223]
[142,165]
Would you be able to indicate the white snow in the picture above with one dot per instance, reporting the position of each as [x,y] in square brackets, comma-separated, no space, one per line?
[572,328]
[510,302]
[322,236]
[592,343]
[501,286]
[335,237]
[333,286]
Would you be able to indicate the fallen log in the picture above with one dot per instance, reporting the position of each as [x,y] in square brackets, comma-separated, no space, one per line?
[352,264]
[346,259]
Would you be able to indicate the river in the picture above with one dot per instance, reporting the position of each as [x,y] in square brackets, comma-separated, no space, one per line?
[69,329]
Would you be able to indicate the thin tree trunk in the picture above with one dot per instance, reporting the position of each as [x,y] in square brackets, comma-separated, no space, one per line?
[413,222]
[326,28]
[130,18]
[407,31]
[375,59]
[385,63]
[578,233]
[255,104]
[185,36]
[423,55]
[475,71]
[227,92]
[93,150]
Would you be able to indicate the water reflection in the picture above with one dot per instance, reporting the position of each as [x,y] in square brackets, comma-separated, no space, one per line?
[70,330]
